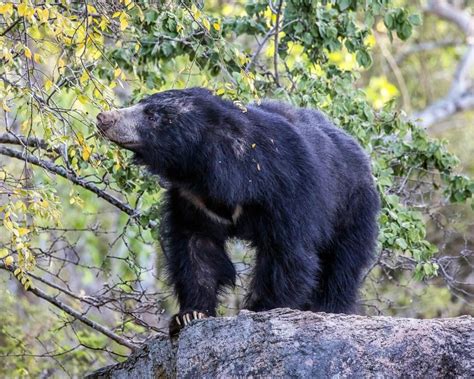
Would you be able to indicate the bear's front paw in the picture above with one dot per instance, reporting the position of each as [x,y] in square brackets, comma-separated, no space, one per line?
[182,319]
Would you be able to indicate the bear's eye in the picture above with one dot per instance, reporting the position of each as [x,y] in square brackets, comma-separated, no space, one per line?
[152,118]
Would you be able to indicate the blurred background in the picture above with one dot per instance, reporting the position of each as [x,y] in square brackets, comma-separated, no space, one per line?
[81,268]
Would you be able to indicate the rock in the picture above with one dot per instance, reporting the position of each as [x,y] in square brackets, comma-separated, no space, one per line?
[288,343]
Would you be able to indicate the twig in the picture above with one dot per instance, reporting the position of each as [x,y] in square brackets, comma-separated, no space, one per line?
[275,53]
[259,48]
[17,21]
[397,72]
[66,308]
[425,46]
[61,171]
[15,139]
[461,94]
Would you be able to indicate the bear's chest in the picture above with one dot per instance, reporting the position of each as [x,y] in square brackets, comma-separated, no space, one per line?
[215,211]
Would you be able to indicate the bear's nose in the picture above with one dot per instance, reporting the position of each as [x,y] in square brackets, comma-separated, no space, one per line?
[106,119]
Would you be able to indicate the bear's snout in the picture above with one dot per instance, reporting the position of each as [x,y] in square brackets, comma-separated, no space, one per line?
[106,119]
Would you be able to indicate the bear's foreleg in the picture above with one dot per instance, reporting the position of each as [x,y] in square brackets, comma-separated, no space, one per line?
[198,268]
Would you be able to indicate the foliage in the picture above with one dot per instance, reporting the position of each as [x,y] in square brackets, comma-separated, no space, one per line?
[63,62]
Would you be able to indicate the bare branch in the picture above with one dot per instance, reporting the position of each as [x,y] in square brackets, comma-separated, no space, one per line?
[461,94]
[425,46]
[61,171]
[66,308]
[275,53]
[444,108]
[14,139]
[397,72]
[461,18]
[9,28]
[259,48]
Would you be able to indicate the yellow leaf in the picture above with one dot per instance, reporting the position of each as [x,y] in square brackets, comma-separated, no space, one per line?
[28,52]
[370,41]
[91,9]
[48,84]
[116,14]
[195,12]
[6,55]
[22,9]
[216,26]
[9,261]
[103,23]
[3,175]
[5,107]
[117,72]
[43,14]
[37,58]
[23,231]
[86,153]
[6,8]
[123,21]
[3,253]
[34,32]
[206,24]
[83,99]
[84,77]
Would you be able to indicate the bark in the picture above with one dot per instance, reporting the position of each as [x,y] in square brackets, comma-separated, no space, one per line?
[287,343]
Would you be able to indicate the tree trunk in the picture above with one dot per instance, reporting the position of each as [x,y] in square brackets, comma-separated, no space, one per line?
[287,343]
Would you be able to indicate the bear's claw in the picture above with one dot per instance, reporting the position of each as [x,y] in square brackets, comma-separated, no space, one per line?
[180,320]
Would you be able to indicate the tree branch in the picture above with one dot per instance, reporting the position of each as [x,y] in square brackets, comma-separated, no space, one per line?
[259,48]
[461,18]
[14,139]
[67,174]
[425,46]
[66,308]
[9,28]
[275,53]
[461,94]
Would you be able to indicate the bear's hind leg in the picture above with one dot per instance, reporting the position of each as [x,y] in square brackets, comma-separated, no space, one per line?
[282,277]
[344,262]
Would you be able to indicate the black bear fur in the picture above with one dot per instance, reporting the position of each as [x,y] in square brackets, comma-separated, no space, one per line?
[284,178]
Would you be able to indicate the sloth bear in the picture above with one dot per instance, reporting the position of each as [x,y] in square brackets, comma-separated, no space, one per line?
[284,178]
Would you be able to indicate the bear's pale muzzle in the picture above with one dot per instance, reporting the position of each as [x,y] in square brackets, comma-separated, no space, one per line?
[119,127]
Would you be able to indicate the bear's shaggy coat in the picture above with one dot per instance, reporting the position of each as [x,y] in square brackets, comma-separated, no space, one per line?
[284,178]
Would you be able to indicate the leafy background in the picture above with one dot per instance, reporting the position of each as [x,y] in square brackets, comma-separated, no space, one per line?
[80,260]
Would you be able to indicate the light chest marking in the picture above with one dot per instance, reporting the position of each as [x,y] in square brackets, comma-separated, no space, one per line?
[199,204]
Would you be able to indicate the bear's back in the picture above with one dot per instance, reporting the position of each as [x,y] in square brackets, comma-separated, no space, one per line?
[334,149]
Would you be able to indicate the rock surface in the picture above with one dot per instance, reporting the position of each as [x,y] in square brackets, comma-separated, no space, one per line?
[287,343]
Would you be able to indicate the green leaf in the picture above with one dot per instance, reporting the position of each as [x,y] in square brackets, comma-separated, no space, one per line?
[415,19]
[364,58]
[344,4]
